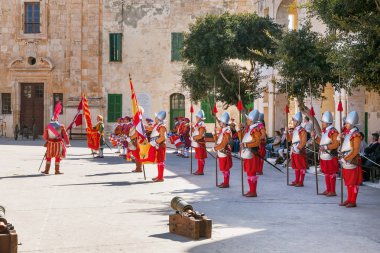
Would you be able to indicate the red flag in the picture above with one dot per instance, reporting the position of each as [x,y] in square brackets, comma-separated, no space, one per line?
[191,109]
[78,120]
[80,106]
[287,109]
[240,105]
[93,137]
[215,110]
[340,107]
[312,113]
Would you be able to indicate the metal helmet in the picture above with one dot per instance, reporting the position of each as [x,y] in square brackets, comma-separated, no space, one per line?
[298,117]
[253,115]
[352,118]
[161,115]
[327,117]
[261,117]
[225,118]
[201,115]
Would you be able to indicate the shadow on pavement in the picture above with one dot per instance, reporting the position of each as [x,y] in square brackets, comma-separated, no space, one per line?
[24,176]
[120,183]
[172,237]
[109,174]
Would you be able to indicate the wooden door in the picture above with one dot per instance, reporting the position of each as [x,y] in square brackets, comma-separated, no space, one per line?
[32,106]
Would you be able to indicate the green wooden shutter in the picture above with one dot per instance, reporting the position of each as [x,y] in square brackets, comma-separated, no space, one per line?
[177,45]
[114,107]
[116,47]
[177,107]
[208,108]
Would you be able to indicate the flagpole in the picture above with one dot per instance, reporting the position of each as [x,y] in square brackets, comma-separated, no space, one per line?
[286,135]
[312,114]
[240,105]
[216,156]
[340,109]
[137,142]
[191,146]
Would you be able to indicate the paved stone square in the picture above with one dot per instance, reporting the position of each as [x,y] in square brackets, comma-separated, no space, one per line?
[98,205]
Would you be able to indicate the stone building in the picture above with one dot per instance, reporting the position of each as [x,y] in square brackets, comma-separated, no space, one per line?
[50,51]
[54,50]
[291,14]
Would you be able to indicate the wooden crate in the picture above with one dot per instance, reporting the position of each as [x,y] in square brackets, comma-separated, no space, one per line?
[8,242]
[190,226]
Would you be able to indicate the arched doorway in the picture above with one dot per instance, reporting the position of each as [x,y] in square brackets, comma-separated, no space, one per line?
[177,107]
[287,14]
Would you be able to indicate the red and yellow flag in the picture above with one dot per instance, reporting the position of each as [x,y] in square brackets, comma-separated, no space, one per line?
[93,137]
[137,114]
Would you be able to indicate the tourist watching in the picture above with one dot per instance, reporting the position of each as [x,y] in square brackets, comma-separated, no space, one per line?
[363,144]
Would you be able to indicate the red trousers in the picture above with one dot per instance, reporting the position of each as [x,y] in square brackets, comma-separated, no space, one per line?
[299,161]
[200,152]
[161,154]
[225,163]
[353,176]
[329,166]
[262,153]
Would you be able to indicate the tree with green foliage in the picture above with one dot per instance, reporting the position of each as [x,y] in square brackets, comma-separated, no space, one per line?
[355,31]
[303,65]
[228,50]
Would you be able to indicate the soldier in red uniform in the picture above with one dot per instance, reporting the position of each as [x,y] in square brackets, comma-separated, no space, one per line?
[158,140]
[198,142]
[351,161]
[298,156]
[250,145]
[175,131]
[186,137]
[133,147]
[55,136]
[263,141]
[223,149]
[328,145]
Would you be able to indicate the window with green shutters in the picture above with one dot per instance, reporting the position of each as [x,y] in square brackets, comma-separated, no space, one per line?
[208,108]
[116,47]
[177,107]
[114,107]
[177,45]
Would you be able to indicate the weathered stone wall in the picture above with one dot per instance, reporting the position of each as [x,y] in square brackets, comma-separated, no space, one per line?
[68,53]
[147,26]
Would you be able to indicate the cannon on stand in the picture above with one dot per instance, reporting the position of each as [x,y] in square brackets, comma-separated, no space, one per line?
[187,222]
[8,236]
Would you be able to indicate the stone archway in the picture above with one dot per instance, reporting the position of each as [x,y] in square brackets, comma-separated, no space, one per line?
[287,14]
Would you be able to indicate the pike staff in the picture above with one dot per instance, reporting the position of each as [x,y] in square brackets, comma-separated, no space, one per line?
[312,115]
[340,109]
[191,146]
[286,136]
[240,108]
[215,111]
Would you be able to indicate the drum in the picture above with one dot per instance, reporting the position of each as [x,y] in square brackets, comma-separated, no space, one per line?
[174,139]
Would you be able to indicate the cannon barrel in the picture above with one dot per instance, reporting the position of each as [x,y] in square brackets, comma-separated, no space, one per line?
[3,221]
[180,205]
[2,214]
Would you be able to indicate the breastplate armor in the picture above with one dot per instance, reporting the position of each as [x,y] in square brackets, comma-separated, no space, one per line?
[57,127]
[246,153]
